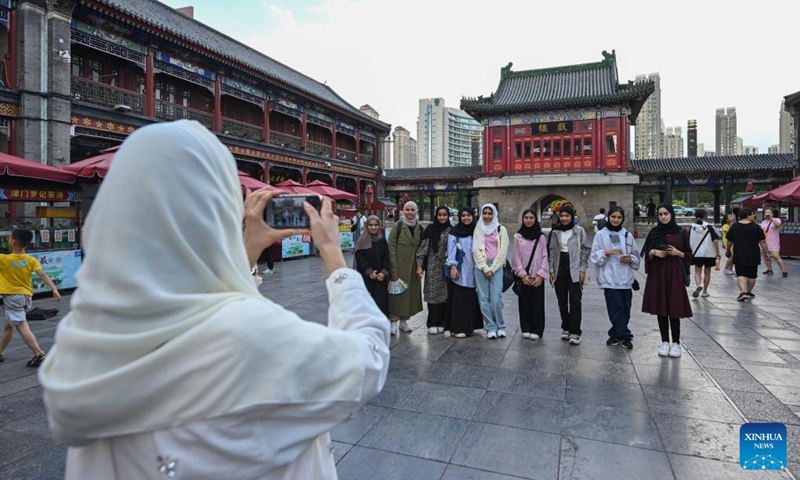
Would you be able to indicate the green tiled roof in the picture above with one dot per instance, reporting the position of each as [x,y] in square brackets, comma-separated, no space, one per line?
[766,162]
[587,84]
[397,175]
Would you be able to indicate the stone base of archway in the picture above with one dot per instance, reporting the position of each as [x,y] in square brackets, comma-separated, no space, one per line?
[588,193]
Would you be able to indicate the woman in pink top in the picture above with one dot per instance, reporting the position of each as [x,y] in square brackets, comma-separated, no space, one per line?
[772,229]
[532,267]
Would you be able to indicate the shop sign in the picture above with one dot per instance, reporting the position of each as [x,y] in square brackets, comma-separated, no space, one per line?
[61,266]
[296,246]
[37,195]
[547,128]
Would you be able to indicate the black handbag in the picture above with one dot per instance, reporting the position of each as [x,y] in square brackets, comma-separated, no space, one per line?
[518,285]
[508,276]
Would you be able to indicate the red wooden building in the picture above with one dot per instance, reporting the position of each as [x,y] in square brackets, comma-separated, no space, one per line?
[563,119]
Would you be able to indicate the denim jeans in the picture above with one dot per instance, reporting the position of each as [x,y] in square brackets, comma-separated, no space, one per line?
[618,304]
[490,296]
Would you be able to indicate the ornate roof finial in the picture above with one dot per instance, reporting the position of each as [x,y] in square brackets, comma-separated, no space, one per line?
[505,72]
[609,57]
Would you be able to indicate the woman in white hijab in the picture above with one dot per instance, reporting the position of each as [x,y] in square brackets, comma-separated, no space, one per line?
[171,362]
[489,249]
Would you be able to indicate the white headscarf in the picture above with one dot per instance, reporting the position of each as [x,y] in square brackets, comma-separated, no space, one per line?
[489,228]
[410,223]
[167,327]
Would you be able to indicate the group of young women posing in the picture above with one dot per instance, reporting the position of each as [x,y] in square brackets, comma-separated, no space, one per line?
[463,270]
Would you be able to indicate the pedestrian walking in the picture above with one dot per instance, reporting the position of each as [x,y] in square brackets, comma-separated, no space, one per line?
[705,251]
[431,258]
[175,365]
[668,256]
[568,254]
[489,248]
[615,258]
[404,240]
[16,269]
[749,241]
[772,231]
[730,218]
[463,308]
[651,211]
[357,227]
[599,221]
[372,262]
[530,263]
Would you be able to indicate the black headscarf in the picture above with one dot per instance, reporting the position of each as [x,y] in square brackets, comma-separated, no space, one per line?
[560,226]
[530,233]
[658,235]
[608,221]
[461,230]
[433,232]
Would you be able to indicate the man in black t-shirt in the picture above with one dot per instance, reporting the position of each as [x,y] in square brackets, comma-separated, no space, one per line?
[749,242]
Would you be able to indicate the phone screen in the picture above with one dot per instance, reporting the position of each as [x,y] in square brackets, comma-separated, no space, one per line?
[286,211]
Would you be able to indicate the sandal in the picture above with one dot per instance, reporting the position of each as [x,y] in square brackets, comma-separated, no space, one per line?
[36,360]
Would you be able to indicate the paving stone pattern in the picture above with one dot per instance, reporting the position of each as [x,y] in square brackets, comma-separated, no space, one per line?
[457,409]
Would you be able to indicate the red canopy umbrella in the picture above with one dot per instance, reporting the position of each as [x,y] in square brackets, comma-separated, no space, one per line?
[249,182]
[94,166]
[324,189]
[292,187]
[20,167]
[788,193]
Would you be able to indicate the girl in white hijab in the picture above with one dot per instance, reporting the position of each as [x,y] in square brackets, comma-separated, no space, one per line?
[170,361]
[489,249]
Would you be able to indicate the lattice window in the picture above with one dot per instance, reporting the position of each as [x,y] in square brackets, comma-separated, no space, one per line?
[77,65]
[183,74]
[108,47]
[95,70]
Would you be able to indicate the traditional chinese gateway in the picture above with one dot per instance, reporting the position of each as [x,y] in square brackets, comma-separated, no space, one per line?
[558,134]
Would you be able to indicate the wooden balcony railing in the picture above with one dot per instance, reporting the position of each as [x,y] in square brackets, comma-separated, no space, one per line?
[365,159]
[346,155]
[104,95]
[319,149]
[173,111]
[284,140]
[242,129]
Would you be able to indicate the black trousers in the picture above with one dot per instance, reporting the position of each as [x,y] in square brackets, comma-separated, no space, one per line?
[531,309]
[437,313]
[665,325]
[569,296]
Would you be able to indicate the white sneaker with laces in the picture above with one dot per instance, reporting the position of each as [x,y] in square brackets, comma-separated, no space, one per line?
[526,335]
[440,329]
[534,336]
[491,335]
[394,328]
[501,334]
[433,331]
[269,271]
[564,334]
[574,339]
[404,326]
[663,351]
[675,350]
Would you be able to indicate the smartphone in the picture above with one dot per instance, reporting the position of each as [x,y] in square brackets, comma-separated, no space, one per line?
[286,211]
[664,247]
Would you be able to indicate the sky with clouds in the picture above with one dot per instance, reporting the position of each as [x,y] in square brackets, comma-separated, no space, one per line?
[389,54]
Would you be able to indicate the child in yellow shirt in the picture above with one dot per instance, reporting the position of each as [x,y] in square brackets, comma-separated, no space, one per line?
[16,269]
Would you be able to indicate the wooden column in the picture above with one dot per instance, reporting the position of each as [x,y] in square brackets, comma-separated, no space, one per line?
[149,85]
[13,39]
[358,194]
[333,141]
[487,150]
[507,159]
[218,105]
[267,108]
[305,176]
[303,132]
[358,148]
[375,160]
[265,175]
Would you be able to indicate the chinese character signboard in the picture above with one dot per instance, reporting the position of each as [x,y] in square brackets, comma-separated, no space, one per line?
[551,128]
[36,195]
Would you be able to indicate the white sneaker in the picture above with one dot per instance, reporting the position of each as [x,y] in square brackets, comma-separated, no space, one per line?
[447,333]
[663,351]
[460,335]
[440,329]
[574,339]
[394,328]
[501,334]
[675,350]
[433,331]
[491,335]
[526,335]
[534,336]
[404,326]
[564,334]
[269,271]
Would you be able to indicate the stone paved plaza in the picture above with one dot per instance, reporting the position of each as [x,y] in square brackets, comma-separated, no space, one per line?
[514,408]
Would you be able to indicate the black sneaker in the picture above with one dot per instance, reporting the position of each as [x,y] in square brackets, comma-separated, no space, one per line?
[612,341]
[768,272]
[785,274]
[742,297]
[626,343]
[2,358]
[36,361]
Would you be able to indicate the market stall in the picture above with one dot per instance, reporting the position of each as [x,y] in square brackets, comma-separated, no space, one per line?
[785,195]
[45,200]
